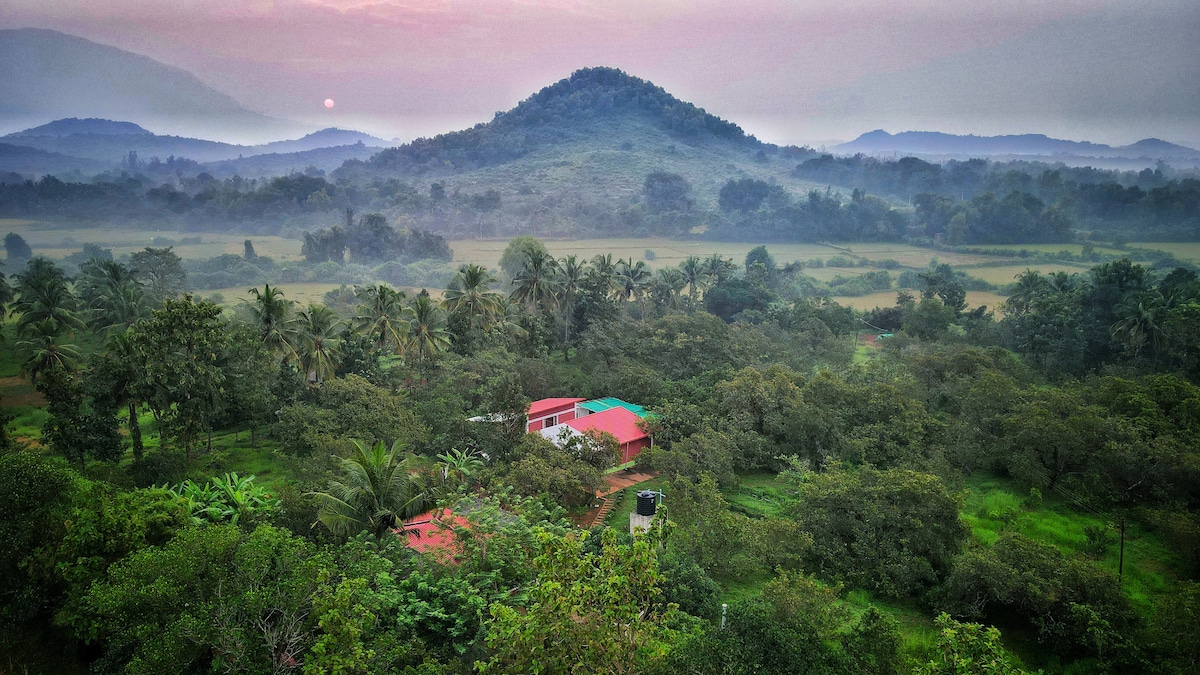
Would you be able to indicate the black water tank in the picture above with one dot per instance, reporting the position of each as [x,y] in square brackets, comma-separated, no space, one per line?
[645,503]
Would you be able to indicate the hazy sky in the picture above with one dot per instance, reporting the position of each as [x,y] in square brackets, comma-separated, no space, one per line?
[786,71]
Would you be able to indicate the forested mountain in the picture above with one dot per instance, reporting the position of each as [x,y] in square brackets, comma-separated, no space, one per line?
[568,110]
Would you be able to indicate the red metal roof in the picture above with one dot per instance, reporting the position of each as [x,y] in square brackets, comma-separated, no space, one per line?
[549,405]
[617,421]
[434,532]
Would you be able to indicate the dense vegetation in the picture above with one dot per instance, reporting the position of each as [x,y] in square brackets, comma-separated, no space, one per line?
[219,490]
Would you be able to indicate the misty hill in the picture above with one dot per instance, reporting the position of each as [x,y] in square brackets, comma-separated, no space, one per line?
[325,138]
[51,75]
[588,141]
[106,144]
[74,125]
[933,143]
[31,162]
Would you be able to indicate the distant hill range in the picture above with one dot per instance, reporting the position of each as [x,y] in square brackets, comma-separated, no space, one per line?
[92,145]
[52,75]
[937,144]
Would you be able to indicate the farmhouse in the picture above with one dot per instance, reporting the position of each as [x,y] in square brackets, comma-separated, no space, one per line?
[561,418]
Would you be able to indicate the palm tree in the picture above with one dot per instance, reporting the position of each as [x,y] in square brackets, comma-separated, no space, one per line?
[1138,322]
[570,281]
[470,292]
[1030,284]
[43,293]
[381,316]
[317,332]
[112,297]
[378,489]
[717,268]
[666,286]
[427,327]
[534,285]
[632,279]
[43,351]
[123,380]
[693,274]
[271,318]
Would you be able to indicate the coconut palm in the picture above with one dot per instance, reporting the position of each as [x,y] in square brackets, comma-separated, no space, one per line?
[632,279]
[427,327]
[377,490]
[535,285]
[470,292]
[1030,284]
[112,297]
[666,287]
[273,321]
[43,293]
[381,316]
[42,349]
[1138,322]
[317,332]
[571,274]
[692,270]
[717,268]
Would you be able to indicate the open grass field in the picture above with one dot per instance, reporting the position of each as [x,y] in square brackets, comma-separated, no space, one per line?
[1185,250]
[1007,274]
[55,241]
[1074,249]
[667,252]
[913,256]
[888,299]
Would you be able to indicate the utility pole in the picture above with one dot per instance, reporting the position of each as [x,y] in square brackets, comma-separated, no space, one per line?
[1121,556]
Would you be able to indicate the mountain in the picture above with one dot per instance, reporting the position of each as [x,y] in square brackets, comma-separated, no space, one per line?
[575,157]
[51,75]
[29,162]
[74,125]
[325,138]
[569,110]
[933,143]
[102,144]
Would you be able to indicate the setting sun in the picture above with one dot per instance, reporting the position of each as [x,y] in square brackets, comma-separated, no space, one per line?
[328,103]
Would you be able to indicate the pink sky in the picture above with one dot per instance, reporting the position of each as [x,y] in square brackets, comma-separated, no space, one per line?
[409,67]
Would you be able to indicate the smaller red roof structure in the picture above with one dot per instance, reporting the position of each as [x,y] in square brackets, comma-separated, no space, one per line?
[547,405]
[434,532]
[619,422]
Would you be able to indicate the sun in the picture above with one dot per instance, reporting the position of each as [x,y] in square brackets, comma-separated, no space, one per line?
[328,103]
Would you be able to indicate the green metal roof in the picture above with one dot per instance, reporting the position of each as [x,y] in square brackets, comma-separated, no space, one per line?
[602,404]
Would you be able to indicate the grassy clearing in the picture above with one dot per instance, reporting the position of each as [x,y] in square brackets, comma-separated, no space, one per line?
[1007,274]
[1074,249]
[761,494]
[888,299]
[913,256]
[1189,250]
[56,240]
[994,505]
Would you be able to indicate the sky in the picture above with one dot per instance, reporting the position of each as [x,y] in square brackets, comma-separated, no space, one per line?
[803,71]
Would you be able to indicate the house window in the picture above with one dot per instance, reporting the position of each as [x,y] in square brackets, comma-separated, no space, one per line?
[551,421]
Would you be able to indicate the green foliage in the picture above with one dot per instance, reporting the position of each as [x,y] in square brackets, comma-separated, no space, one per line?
[229,499]
[344,408]
[1063,598]
[539,468]
[38,492]
[211,598]
[894,532]
[583,613]
[967,649]
[378,489]
[796,625]
[181,347]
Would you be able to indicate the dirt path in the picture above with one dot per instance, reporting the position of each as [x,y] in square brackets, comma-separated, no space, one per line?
[623,479]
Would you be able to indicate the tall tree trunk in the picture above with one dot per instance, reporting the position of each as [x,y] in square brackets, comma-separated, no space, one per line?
[135,431]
